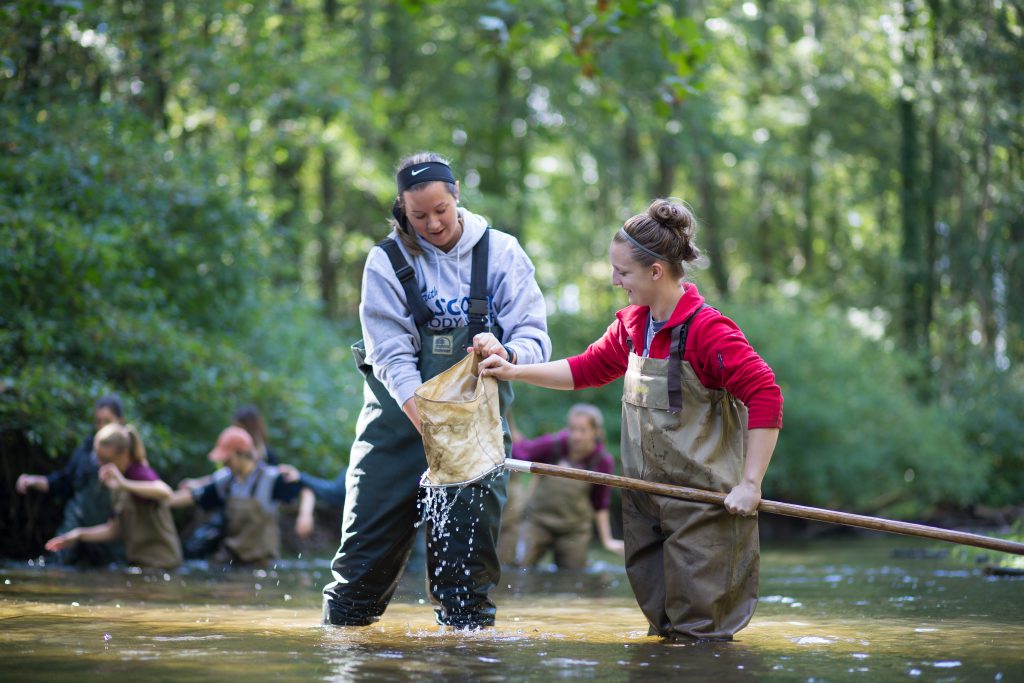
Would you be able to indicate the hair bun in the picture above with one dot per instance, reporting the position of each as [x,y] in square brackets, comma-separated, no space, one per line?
[668,214]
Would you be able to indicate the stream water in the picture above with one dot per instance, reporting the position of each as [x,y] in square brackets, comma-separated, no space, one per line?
[865,609]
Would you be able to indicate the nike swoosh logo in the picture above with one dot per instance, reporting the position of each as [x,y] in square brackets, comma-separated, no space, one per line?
[418,171]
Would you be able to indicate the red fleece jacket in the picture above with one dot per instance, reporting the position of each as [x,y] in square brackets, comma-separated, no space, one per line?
[715,348]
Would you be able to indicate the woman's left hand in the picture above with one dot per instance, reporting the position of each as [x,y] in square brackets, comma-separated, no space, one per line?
[744,499]
[304,526]
[486,344]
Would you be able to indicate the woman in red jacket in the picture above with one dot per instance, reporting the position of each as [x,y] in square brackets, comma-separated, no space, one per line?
[700,408]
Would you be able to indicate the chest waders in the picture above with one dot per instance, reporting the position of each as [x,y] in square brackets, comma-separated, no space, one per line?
[382,508]
[693,566]
[147,528]
[559,516]
[252,533]
[90,504]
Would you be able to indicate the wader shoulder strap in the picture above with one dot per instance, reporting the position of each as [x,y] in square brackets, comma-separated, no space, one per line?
[478,287]
[407,276]
[675,359]
[256,481]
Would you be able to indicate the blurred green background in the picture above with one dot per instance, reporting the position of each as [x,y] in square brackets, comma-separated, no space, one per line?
[188,191]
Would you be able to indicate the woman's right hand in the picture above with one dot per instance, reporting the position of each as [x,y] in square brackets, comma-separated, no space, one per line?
[616,546]
[63,541]
[497,367]
[289,473]
[30,481]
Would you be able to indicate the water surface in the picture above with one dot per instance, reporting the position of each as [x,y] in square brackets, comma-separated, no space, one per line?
[829,611]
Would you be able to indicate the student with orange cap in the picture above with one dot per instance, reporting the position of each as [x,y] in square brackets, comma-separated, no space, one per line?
[249,492]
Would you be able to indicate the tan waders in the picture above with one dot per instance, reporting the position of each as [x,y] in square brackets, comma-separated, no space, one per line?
[559,516]
[693,566]
[383,488]
[252,533]
[147,529]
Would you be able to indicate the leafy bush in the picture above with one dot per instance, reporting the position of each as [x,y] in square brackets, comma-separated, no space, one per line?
[124,268]
[990,406]
[854,434]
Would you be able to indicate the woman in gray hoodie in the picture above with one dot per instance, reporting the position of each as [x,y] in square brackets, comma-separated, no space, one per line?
[442,281]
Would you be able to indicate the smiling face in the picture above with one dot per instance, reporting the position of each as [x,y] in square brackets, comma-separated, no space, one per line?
[433,213]
[582,436]
[638,280]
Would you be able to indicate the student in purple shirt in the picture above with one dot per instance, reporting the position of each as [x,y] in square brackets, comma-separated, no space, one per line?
[142,517]
[561,513]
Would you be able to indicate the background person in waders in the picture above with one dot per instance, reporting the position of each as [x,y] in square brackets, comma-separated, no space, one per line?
[442,282]
[87,501]
[699,408]
[141,514]
[560,514]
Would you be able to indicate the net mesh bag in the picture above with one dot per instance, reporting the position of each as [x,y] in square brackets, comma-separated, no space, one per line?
[461,425]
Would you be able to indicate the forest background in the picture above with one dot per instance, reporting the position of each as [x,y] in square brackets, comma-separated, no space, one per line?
[188,191]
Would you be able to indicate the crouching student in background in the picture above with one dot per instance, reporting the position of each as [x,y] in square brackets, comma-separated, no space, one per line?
[330,492]
[142,517]
[86,499]
[248,491]
[561,513]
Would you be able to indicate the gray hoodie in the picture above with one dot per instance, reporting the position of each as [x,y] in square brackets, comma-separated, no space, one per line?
[389,331]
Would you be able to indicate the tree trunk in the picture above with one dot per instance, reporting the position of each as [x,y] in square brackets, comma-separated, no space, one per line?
[327,263]
[807,229]
[668,153]
[493,180]
[764,246]
[910,252]
[931,198]
[630,159]
[707,188]
[151,71]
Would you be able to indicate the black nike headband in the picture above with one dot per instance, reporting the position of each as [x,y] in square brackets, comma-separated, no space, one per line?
[424,173]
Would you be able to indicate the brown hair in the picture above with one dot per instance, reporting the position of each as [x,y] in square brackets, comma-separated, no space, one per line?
[122,438]
[398,221]
[249,419]
[666,228]
[593,413]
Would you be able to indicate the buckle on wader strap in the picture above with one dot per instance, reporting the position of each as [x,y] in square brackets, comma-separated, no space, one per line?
[675,361]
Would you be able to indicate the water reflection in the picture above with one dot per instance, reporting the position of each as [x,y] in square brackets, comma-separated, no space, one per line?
[827,613]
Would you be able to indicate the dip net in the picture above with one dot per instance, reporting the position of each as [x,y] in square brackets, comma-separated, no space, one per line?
[461,425]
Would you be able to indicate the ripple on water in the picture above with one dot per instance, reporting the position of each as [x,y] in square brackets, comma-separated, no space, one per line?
[813,640]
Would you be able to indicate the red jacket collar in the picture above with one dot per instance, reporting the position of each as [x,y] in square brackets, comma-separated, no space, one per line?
[634,318]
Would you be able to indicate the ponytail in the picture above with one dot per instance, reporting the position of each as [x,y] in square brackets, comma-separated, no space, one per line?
[123,438]
[136,448]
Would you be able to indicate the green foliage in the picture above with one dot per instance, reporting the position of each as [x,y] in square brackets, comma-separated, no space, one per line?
[127,270]
[990,406]
[854,436]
